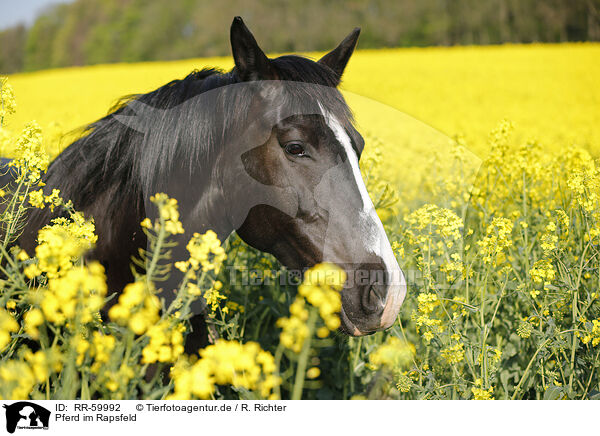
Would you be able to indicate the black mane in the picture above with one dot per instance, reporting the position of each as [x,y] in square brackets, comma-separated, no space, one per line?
[117,166]
[216,142]
[112,153]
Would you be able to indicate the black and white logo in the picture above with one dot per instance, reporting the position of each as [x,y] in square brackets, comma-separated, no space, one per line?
[25,415]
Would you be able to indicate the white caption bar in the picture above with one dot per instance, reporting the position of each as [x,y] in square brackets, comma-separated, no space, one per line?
[294,417]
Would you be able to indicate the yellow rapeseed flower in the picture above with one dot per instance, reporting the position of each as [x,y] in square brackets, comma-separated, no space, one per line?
[8,102]
[137,307]
[394,354]
[166,342]
[8,325]
[33,319]
[226,363]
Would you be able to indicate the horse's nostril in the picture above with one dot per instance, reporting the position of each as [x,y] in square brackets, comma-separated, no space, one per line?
[380,291]
[373,299]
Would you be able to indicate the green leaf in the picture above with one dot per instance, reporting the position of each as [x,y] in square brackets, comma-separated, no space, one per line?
[553,393]
[504,380]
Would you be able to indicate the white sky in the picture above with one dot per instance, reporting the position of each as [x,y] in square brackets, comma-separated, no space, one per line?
[22,11]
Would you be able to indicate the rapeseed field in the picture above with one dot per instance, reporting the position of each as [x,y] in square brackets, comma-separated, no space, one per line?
[481,162]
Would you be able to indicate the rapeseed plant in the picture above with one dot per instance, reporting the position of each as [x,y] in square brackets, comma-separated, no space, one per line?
[503,265]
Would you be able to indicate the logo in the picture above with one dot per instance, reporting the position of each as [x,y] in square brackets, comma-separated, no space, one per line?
[26,415]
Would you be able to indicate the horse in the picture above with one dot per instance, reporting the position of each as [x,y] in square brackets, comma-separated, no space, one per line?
[268,150]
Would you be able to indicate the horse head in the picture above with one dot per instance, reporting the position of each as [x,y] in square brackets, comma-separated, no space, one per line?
[291,171]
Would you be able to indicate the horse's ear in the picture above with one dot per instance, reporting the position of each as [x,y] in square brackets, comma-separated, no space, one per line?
[250,61]
[338,58]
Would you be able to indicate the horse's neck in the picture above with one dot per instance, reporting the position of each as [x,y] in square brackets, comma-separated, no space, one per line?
[118,209]
[120,236]
[203,207]
[115,208]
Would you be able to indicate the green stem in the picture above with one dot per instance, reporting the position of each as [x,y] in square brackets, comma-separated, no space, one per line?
[304,355]
[160,239]
[278,355]
[355,362]
[523,377]
[587,386]
[483,351]
[575,315]
[526,372]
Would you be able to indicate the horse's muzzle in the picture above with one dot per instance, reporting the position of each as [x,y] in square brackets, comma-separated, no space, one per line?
[395,297]
[375,307]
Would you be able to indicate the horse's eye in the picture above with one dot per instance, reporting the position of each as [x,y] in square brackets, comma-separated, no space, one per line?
[295,149]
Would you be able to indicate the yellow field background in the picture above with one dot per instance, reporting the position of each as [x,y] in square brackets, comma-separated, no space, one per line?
[503,271]
[550,92]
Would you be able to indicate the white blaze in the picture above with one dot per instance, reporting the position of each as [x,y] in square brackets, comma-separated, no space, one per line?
[376,240]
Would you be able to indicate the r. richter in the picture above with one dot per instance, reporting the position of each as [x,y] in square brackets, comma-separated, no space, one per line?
[269,407]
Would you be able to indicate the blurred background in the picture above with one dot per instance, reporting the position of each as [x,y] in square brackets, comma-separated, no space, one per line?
[40,34]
